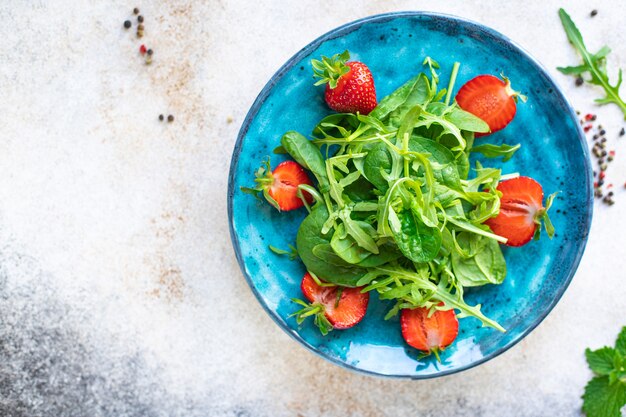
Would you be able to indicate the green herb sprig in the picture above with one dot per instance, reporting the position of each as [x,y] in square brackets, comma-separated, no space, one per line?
[593,64]
[605,394]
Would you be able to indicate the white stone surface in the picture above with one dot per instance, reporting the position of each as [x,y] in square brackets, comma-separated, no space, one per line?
[119,291]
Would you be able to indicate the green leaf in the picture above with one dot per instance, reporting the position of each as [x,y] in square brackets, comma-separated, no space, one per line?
[485,265]
[308,237]
[594,63]
[601,360]
[345,246]
[494,151]
[602,399]
[467,121]
[577,70]
[292,253]
[329,70]
[417,241]
[308,155]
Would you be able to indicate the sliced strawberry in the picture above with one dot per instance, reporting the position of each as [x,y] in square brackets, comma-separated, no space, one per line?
[334,307]
[521,211]
[284,190]
[349,85]
[491,99]
[429,334]
[280,187]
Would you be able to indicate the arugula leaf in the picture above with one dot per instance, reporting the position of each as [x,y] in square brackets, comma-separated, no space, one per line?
[594,64]
[292,253]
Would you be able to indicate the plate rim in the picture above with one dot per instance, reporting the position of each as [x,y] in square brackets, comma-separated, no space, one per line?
[342,31]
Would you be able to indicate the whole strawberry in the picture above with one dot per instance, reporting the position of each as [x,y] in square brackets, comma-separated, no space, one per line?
[349,85]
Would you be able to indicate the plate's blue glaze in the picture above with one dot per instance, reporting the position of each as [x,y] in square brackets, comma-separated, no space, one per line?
[553,152]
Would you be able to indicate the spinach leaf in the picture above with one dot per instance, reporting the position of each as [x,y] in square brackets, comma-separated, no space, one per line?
[308,155]
[484,265]
[442,161]
[467,121]
[346,247]
[308,237]
[494,151]
[377,166]
[417,241]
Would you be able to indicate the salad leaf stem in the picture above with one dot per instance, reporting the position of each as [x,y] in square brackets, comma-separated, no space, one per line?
[455,71]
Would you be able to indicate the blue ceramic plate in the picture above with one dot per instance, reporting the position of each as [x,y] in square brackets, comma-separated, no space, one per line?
[553,152]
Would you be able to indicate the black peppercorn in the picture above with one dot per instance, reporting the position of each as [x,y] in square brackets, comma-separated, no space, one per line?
[127,24]
[622,132]
[161,117]
[136,10]
[150,51]
[603,132]
[579,82]
[170,118]
[140,19]
[593,12]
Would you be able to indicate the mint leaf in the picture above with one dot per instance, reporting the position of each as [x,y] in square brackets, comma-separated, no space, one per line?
[602,399]
[620,343]
[601,361]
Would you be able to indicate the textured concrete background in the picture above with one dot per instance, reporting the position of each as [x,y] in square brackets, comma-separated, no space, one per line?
[119,291]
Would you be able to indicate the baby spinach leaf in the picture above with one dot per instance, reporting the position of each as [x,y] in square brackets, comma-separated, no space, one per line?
[485,264]
[417,241]
[377,163]
[495,151]
[346,247]
[442,161]
[308,237]
[308,155]
[466,121]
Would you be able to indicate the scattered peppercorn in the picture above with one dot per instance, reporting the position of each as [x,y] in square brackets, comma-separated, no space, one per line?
[127,24]
[602,132]
[142,49]
[587,128]
[150,51]
[140,19]
[622,132]
[579,82]
[610,193]
[170,118]
[140,27]
[136,10]
[161,117]
[588,116]
[593,12]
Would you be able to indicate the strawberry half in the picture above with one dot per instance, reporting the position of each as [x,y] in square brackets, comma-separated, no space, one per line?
[280,187]
[521,211]
[333,307]
[429,334]
[491,99]
[349,85]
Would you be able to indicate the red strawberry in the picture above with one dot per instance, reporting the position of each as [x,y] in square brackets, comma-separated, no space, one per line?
[280,187]
[429,334]
[521,211]
[334,307]
[491,99]
[349,85]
